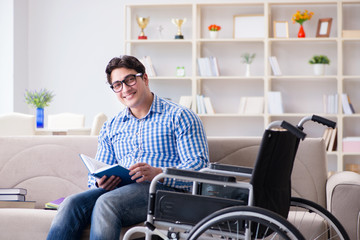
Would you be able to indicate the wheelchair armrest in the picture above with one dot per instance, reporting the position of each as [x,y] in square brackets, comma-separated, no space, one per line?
[199,175]
[231,168]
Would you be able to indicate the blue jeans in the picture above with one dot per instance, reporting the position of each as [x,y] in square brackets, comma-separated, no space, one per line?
[108,212]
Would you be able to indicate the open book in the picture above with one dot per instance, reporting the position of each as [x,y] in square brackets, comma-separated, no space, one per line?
[99,169]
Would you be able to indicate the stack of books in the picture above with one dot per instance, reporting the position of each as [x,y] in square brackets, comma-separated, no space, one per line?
[14,198]
[54,204]
[208,66]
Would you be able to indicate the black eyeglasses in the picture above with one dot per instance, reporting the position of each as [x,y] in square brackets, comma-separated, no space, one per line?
[129,80]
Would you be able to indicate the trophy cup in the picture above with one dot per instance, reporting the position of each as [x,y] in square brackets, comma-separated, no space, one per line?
[142,22]
[178,22]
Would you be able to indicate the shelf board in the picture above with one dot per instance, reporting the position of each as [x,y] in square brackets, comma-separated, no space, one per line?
[350,39]
[171,78]
[302,115]
[230,77]
[222,40]
[305,77]
[159,41]
[355,115]
[330,39]
[351,77]
[231,115]
[351,154]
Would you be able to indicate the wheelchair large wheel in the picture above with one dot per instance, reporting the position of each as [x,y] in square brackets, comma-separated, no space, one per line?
[314,221]
[244,222]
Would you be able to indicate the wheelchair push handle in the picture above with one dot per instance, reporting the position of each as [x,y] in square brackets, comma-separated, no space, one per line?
[288,126]
[323,121]
[318,119]
[294,130]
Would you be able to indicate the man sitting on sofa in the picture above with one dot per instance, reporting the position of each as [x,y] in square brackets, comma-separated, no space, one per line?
[146,137]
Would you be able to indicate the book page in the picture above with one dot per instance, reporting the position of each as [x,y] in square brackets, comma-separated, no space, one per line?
[91,164]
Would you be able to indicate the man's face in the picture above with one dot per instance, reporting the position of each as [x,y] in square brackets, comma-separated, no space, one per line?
[130,96]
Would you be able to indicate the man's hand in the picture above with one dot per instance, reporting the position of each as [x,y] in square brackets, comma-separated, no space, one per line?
[108,183]
[144,172]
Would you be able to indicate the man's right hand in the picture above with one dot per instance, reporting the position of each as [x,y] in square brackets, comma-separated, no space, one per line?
[108,183]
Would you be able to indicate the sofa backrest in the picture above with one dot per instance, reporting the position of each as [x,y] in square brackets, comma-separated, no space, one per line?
[49,166]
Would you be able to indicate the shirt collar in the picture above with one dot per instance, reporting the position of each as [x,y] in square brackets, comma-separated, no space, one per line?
[156,107]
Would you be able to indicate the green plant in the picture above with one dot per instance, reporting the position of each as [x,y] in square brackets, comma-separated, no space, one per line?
[248,58]
[319,59]
[39,99]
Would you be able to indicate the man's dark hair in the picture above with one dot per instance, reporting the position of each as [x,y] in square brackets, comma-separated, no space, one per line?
[124,61]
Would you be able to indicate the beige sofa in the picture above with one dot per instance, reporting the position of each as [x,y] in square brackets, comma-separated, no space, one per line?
[49,168]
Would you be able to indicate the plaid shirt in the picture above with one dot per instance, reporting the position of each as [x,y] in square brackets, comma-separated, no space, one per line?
[168,136]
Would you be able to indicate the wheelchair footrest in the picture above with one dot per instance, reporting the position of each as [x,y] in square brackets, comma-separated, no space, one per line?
[185,208]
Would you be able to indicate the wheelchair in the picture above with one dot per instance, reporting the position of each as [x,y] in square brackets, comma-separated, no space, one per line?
[221,206]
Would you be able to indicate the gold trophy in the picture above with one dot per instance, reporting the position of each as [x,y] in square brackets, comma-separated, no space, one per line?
[142,22]
[178,22]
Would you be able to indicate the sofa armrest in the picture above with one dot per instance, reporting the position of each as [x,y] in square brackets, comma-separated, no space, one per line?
[343,194]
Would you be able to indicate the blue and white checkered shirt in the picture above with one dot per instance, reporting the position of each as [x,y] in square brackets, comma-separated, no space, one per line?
[170,135]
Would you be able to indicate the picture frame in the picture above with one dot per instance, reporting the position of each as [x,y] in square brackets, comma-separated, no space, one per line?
[281,29]
[249,26]
[323,28]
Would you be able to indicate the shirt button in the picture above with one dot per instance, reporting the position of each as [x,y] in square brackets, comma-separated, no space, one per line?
[138,133]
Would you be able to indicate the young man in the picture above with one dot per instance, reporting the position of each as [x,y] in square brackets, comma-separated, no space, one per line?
[149,135]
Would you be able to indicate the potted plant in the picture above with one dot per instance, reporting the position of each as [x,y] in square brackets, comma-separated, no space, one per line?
[39,100]
[319,61]
[214,30]
[248,58]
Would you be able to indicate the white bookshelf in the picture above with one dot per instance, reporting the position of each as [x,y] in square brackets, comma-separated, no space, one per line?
[302,92]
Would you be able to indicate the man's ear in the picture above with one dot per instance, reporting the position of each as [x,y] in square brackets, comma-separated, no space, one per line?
[146,79]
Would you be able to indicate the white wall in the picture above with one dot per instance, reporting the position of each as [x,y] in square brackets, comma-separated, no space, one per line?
[20,51]
[6,56]
[70,44]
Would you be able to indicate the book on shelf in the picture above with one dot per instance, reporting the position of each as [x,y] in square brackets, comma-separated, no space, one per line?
[214,66]
[99,169]
[333,140]
[54,204]
[208,66]
[351,144]
[12,197]
[208,106]
[347,108]
[275,104]
[147,62]
[330,103]
[17,204]
[200,104]
[251,105]
[326,136]
[275,66]
[185,101]
[21,191]
[351,105]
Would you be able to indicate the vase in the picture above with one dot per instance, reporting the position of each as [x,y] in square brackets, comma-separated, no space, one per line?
[40,118]
[301,33]
[247,73]
[319,69]
[214,34]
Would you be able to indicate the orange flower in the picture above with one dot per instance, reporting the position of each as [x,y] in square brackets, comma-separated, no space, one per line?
[302,17]
[214,27]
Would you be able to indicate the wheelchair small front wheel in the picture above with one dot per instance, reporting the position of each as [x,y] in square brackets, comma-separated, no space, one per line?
[244,222]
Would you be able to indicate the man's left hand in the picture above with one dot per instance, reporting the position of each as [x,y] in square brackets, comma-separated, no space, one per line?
[143,172]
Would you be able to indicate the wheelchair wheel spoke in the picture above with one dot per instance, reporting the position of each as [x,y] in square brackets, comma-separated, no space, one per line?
[315,222]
